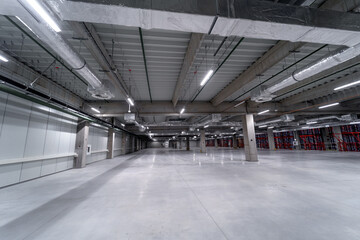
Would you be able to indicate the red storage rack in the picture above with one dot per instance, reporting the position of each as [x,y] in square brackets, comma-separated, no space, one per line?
[350,138]
[311,139]
[284,140]
[262,141]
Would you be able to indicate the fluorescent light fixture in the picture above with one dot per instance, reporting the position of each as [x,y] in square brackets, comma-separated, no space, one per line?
[263,112]
[308,123]
[347,85]
[130,101]
[271,127]
[329,105]
[355,122]
[3,59]
[305,127]
[206,126]
[239,104]
[123,125]
[182,111]
[263,126]
[207,77]
[95,110]
[232,128]
[44,15]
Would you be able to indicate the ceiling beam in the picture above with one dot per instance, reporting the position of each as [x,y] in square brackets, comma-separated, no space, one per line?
[99,52]
[194,44]
[241,18]
[277,53]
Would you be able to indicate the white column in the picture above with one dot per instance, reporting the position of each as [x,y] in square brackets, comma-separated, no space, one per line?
[338,138]
[81,141]
[110,143]
[271,140]
[249,138]
[202,141]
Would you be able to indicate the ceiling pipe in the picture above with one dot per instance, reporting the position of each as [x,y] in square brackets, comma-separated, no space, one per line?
[61,46]
[329,61]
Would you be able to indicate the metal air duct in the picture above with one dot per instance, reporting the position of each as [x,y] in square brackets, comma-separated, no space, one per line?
[61,46]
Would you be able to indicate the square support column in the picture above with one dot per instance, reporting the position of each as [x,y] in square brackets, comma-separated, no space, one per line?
[234,142]
[187,144]
[338,139]
[82,135]
[110,143]
[216,142]
[297,138]
[202,141]
[271,140]
[249,138]
[123,143]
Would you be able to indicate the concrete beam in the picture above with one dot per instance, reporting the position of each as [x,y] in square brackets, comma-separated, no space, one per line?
[194,44]
[237,18]
[99,52]
[277,53]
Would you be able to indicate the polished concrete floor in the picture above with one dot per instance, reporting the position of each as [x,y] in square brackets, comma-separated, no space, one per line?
[174,194]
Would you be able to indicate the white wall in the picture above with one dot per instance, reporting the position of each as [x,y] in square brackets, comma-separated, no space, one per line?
[31,130]
[118,143]
[98,140]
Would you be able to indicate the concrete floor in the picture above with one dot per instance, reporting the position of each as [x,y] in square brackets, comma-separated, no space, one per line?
[174,194]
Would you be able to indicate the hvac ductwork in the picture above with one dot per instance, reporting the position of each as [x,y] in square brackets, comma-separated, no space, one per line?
[283,118]
[331,60]
[58,44]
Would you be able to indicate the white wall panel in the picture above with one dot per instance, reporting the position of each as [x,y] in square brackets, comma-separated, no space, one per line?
[30,170]
[35,139]
[9,174]
[30,130]
[48,167]
[14,129]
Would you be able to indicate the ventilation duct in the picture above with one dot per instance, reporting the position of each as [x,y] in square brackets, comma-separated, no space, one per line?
[61,47]
[284,118]
[331,60]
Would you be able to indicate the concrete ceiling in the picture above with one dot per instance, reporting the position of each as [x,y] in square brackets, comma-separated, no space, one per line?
[156,66]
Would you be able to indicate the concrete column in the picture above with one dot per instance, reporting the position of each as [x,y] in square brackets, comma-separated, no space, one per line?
[202,141]
[234,142]
[187,144]
[82,135]
[123,143]
[222,142]
[338,138]
[216,143]
[271,140]
[180,143]
[297,138]
[249,138]
[110,143]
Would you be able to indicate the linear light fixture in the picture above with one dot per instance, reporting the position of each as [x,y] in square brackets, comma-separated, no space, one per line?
[43,14]
[207,77]
[239,104]
[355,122]
[263,126]
[271,127]
[123,125]
[347,85]
[130,101]
[263,112]
[182,111]
[329,105]
[206,126]
[2,58]
[95,110]
[308,123]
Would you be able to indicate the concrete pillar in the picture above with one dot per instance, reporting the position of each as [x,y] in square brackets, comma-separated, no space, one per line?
[234,142]
[123,143]
[187,143]
[216,142]
[297,138]
[222,142]
[249,138]
[202,141]
[110,143]
[180,143]
[338,137]
[271,140]
[82,135]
